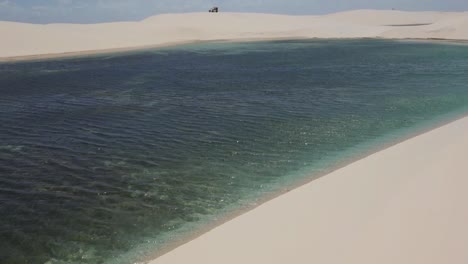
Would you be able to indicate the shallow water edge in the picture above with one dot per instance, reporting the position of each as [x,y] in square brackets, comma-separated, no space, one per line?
[131,50]
[191,233]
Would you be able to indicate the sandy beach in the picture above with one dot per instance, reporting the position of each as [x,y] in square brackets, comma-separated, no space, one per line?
[405,204]
[31,41]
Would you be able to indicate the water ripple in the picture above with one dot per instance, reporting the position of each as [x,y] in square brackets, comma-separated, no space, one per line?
[101,155]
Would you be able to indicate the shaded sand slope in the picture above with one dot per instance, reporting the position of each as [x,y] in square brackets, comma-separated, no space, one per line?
[406,204]
[19,39]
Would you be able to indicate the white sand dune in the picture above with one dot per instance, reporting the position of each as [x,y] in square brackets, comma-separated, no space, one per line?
[406,204]
[20,39]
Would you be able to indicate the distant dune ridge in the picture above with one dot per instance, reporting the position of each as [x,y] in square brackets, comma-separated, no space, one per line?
[21,39]
[405,204]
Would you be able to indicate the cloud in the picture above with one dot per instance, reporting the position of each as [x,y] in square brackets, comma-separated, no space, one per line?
[65,2]
[4,3]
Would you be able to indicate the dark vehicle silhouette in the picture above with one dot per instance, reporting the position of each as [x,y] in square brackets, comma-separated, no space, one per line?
[214,10]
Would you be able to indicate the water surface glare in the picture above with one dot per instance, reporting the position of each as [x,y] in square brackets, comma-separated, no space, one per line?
[104,159]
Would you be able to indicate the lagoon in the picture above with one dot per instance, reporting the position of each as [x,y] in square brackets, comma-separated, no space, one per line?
[107,158]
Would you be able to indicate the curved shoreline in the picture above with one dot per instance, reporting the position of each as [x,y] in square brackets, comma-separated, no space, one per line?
[35,42]
[179,250]
[122,51]
[265,201]
[200,229]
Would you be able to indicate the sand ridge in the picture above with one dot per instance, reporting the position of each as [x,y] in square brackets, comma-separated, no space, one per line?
[405,204]
[21,39]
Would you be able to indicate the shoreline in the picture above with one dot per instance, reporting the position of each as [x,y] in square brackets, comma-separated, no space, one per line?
[172,249]
[123,51]
[175,250]
[277,193]
[24,42]
[91,53]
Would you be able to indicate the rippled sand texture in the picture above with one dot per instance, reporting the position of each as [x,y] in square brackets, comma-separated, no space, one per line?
[108,158]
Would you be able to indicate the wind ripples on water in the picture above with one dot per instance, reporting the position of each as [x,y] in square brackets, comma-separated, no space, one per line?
[99,156]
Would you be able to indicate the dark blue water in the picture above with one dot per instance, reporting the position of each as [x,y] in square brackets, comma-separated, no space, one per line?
[106,158]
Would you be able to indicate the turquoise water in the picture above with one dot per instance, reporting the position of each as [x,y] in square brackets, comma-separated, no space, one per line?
[105,159]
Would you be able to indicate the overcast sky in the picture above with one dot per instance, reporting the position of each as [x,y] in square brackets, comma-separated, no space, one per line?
[92,11]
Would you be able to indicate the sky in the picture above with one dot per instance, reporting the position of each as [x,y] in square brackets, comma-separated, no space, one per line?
[94,11]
